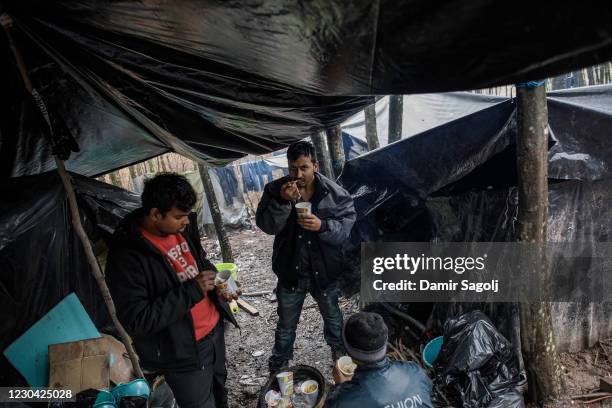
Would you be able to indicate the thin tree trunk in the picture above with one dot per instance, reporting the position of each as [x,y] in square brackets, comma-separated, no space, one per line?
[599,75]
[370,124]
[396,103]
[226,249]
[7,23]
[115,179]
[133,176]
[320,144]
[537,334]
[336,149]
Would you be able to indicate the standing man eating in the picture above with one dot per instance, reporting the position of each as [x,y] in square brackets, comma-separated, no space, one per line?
[307,254]
[164,291]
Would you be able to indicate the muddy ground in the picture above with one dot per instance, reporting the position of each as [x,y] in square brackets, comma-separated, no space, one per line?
[248,349]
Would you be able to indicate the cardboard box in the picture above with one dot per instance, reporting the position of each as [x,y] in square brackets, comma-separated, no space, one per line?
[121,370]
[80,365]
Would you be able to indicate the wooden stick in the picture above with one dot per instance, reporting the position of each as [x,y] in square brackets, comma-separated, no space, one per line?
[95,267]
[248,307]
[262,293]
[7,23]
[597,399]
[591,395]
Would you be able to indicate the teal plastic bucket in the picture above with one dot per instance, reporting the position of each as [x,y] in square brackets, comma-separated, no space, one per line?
[136,388]
[105,400]
[431,351]
[230,267]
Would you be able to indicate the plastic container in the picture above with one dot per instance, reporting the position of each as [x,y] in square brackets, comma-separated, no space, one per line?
[346,365]
[135,388]
[230,267]
[431,351]
[300,373]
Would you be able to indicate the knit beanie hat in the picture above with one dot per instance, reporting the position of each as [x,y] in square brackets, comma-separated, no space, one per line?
[365,337]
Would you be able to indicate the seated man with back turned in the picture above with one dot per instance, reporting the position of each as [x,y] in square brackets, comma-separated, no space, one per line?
[377,381]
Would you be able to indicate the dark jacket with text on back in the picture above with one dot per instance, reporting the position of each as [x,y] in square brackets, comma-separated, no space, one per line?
[275,216]
[384,384]
[151,302]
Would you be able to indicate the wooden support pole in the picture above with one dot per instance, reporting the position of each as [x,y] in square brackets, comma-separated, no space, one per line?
[396,111]
[370,124]
[95,266]
[320,144]
[537,335]
[226,249]
[7,23]
[336,149]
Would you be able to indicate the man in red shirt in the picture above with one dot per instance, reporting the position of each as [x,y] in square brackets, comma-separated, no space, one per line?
[165,294]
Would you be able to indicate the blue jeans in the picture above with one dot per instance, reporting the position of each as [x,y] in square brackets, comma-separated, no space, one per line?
[290,304]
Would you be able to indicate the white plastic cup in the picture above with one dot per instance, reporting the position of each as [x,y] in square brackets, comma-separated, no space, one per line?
[346,365]
[303,209]
[226,283]
[285,382]
[310,390]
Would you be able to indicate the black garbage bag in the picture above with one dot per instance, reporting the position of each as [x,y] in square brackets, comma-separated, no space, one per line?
[479,363]
[132,402]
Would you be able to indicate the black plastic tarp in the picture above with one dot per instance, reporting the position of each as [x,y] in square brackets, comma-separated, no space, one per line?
[344,47]
[580,122]
[448,184]
[426,162]
[125,100]
[420,112]
[215,80]
[41,258]
[578,211]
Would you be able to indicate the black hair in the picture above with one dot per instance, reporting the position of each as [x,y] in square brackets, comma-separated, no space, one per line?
[301,148]
[167,190]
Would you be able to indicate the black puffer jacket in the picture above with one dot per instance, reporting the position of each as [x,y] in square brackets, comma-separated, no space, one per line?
[152,304]
[275,216]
